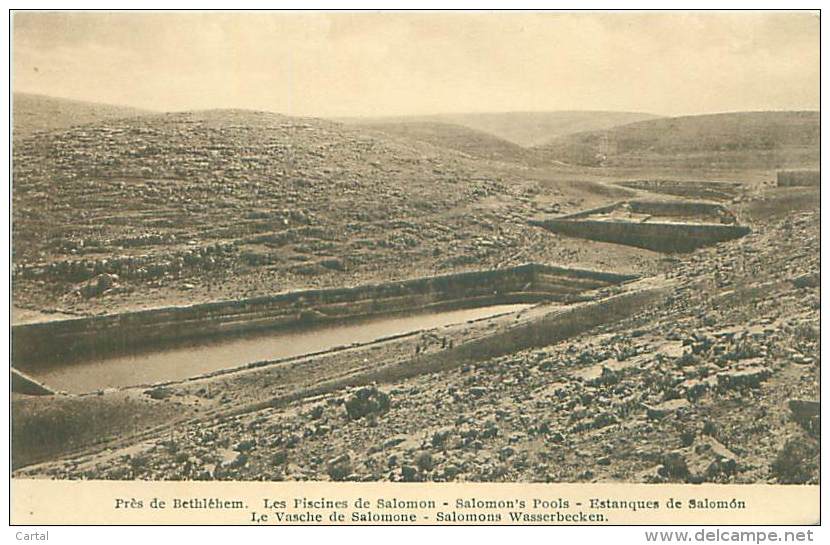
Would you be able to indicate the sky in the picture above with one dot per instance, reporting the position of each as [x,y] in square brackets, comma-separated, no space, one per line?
[415,63]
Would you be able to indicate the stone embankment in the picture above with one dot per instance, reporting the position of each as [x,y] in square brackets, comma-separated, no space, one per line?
[671,226]
[71,339]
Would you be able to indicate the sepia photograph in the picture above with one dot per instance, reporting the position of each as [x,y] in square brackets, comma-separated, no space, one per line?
[323,248]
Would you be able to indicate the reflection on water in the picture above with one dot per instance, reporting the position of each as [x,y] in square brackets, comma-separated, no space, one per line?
[204,356]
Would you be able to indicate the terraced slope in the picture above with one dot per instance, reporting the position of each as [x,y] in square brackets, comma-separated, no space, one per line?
[33,113]
[735,140]
[190,207]
[717,382]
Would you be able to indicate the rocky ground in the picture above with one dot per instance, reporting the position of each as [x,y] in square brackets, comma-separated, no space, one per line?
[180,208]
[717,383]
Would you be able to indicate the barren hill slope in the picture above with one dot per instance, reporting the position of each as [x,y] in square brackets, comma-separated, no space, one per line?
[471,142]
[763,139]
[33,113]
[198,206]
[521,128]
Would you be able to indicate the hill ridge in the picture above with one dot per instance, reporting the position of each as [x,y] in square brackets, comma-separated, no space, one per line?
[33,112]
[778,138]
[525,129]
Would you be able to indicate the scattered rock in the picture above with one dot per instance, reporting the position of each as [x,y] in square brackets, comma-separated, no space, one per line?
[439,437]
[366,401]
[316,412]
[159,392]
[674,466]
[744,378]
[424,461]
[409,474]
[245,446]
[339,468]
[658,412]
[240,460]
[807,413]
[808,280]
[477,391]
[797,462]
[394,441]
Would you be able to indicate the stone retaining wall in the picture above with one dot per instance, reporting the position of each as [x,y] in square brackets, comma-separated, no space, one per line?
[654,234]
[68,339]
[556,326]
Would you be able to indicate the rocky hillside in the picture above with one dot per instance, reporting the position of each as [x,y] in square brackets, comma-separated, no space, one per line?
[33,113]
[735,140]
[717,383]
[521,128]
[225,204]
[471,142]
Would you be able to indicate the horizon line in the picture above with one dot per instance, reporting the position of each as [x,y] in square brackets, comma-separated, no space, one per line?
[408,115]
